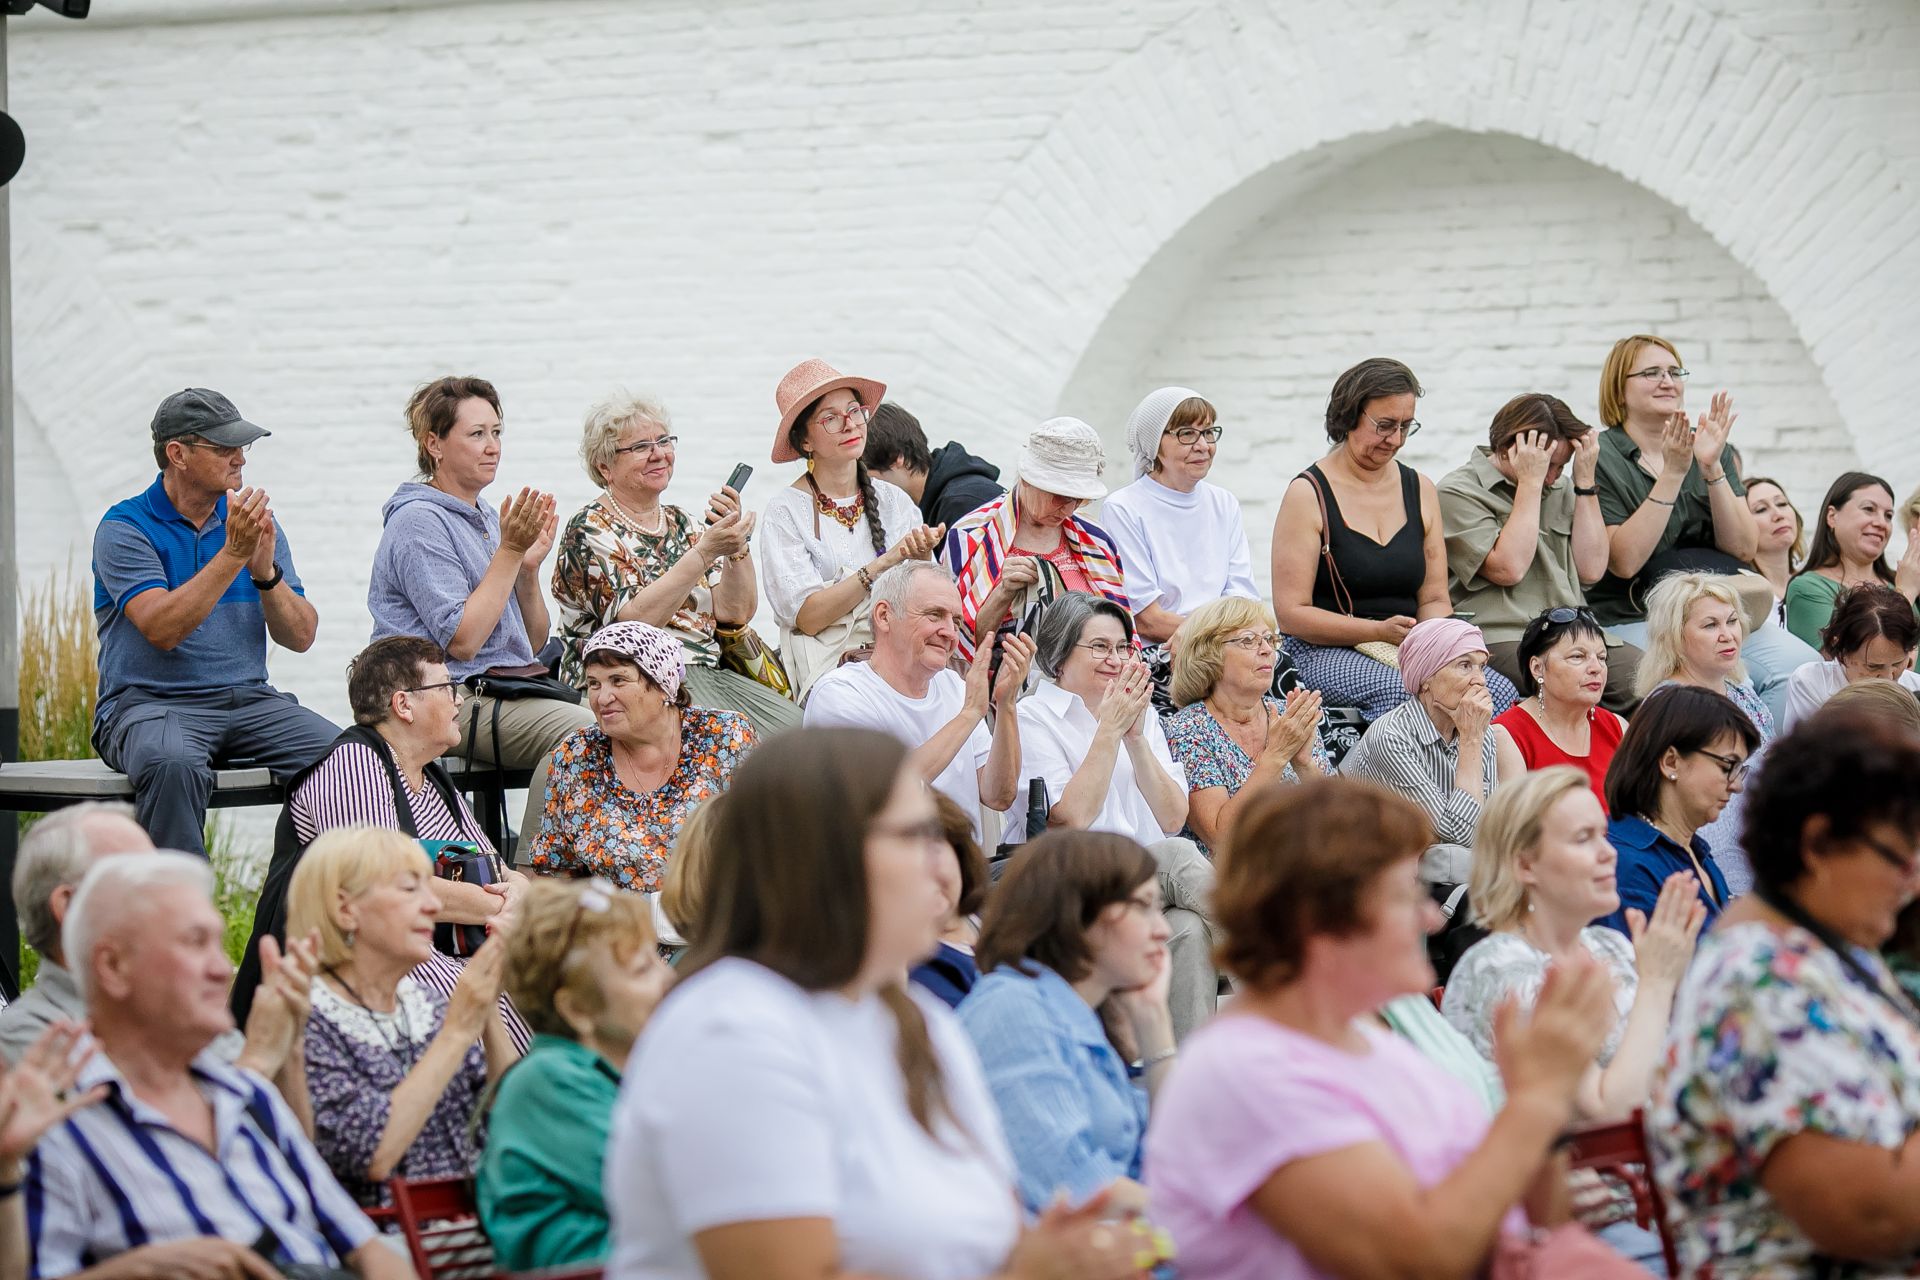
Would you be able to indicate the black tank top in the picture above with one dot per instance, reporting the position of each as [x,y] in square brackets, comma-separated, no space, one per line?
[1384,581]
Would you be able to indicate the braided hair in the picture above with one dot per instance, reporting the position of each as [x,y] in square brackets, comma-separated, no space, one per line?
[869,497]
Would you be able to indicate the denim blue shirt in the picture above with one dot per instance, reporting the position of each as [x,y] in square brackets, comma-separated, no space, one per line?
[1072,1117]
[1647,858]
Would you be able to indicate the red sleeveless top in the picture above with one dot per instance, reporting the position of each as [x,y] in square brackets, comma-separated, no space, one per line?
[1540,751]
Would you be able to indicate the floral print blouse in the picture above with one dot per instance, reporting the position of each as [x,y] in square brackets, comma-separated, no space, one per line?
[356,1058]
[596,824]
[604,561]
[1772,1037]
[1213,759]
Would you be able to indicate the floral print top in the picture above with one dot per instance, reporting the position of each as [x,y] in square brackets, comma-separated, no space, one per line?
[595,824]
[604,561]
[356,1058]
[1213,759]
[1772,1037]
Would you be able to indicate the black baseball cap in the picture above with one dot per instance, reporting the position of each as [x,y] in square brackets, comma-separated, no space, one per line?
[207,414]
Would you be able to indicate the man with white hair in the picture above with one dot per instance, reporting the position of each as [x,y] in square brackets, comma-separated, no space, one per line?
[53,856]
[187,1166]
[909,689]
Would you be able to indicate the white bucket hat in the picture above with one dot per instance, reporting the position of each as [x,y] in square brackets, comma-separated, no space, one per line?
[1063,456]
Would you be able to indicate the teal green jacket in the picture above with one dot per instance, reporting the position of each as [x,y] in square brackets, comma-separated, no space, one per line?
[539,1180]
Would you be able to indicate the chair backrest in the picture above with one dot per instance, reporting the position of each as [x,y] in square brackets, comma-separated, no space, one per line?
[1620,1149]
[441,1224]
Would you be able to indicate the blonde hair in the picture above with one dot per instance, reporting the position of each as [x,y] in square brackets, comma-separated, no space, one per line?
[683,893]
[1613,374]
[605,423]
[1510,828]
[1883,699]
[1910,510]
[1668,604]
[345,863]
[549,916]
[1199,655]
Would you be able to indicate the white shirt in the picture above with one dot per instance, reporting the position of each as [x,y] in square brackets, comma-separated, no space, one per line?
[749,1099]
[1812,683]
[794,563]
[1056,732]
[855,696]
[1179,550]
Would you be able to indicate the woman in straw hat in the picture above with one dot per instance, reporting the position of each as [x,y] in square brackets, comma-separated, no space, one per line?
[836,528]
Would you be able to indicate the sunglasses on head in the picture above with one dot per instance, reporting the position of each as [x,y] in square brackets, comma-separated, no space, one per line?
[1561,616]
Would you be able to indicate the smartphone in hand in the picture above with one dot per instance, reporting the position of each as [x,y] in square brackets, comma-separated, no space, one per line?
[736,482]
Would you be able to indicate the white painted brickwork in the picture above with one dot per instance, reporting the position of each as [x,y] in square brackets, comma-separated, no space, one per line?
[1002,209]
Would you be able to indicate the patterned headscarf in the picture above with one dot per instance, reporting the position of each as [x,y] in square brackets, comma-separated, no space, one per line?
[657,654]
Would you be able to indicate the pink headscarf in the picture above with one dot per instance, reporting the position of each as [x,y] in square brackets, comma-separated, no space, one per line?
[1434,643]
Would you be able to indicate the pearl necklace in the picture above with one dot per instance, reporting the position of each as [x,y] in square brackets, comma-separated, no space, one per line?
[631,519]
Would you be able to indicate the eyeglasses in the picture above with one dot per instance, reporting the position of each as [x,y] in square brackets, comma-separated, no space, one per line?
[1908,864]
[1255,641]
[1733,767]
[596,895]
[1387,429]
[1187,435]
[224,450]
[451,686]
[664,444]
[1104,649]
[833,420]
[1653,376]
[1561,616]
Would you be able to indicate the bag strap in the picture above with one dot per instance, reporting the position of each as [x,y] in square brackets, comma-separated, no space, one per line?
[1341,596]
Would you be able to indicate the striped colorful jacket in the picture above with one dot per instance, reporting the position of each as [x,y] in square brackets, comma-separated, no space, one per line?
[979,542]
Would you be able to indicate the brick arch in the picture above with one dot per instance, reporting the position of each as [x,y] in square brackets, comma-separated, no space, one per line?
[1166,159]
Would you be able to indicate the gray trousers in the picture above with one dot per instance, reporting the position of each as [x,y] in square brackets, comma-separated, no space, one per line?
[170,746]
[1186,889]
[529,729]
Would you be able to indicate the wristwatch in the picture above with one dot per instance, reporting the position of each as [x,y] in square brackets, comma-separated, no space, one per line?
[1592,492]
[268,584]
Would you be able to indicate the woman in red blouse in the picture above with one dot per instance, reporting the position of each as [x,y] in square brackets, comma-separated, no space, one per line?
[1559,719]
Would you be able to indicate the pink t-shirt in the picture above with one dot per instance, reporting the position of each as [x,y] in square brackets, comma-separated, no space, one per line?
[1250,1096]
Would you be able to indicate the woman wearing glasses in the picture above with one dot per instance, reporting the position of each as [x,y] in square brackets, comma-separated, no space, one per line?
[1683,757]
[1871,636]
[1181,539]
[1358,553]
[1089,733]
[1563,675]
[628,556]
[836,528]
[1782,1119]
[1230,730]
[385,771]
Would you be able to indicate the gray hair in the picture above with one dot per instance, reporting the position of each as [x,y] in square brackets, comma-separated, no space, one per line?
[54,852]
[1062,622]
[894,586]
[113,890]
[605,423]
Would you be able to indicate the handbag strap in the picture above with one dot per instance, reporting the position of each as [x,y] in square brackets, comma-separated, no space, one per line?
[1341,596]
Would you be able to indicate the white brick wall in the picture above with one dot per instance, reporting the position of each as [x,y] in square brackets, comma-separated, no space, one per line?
[316,206]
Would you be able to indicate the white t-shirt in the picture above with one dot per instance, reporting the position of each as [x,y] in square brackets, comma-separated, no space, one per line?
[749,1099]
[1056,732]
[1179,550]
[1812,683]
[854,695]
[794,563]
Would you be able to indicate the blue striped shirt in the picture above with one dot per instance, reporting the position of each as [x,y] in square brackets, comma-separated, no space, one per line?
[118,1175]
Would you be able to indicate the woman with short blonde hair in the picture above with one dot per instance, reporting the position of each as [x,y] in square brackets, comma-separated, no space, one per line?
[1230,729]
[582,959]
[1694,633]
[395,1068]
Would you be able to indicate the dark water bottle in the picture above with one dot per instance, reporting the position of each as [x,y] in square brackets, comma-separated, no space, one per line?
[1038,808]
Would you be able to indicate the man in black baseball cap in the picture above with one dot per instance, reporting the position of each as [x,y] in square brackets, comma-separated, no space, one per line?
[183,634]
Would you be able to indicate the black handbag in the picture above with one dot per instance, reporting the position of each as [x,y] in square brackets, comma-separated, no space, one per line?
[508,688]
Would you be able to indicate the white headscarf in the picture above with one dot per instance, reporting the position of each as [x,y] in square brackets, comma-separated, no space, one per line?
[1149,423]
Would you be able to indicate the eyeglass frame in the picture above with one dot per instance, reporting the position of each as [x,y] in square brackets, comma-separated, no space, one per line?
[1907,866]
[826,417]
[664,444]
[1670,372]
[1733,768]
[1251,641]
[226,450]
[1190,435]
[456,687]
[1405,430]
[1112,650]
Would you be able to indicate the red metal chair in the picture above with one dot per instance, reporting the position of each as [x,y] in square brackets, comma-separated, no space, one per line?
[1436,995]
[1620,1150]
[441,1224]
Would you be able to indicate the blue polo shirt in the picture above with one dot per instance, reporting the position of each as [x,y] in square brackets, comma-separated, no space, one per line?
[144,543]
[1647,857]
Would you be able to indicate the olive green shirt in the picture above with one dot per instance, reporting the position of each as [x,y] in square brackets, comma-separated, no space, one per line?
[1476,501]
[1624,486]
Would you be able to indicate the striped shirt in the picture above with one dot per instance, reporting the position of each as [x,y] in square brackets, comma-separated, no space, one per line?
[1402,750]
[118,1175]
